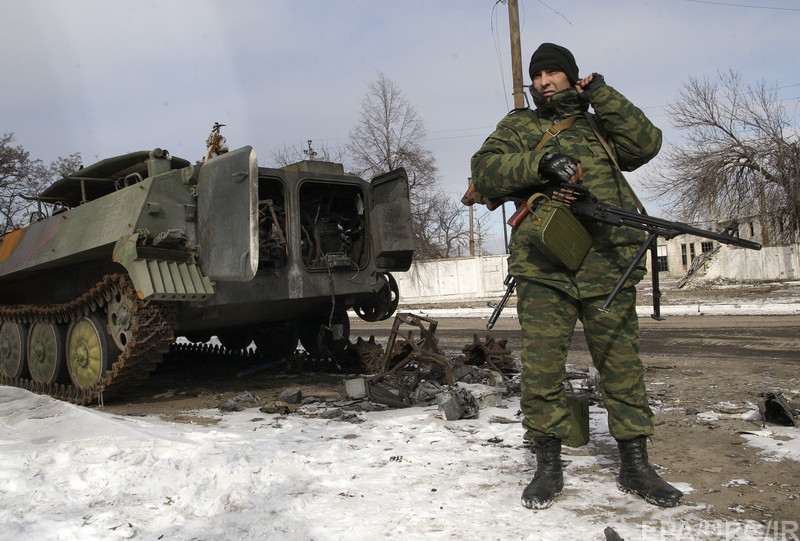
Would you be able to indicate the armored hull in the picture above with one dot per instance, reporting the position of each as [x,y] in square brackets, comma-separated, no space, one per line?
[137,250]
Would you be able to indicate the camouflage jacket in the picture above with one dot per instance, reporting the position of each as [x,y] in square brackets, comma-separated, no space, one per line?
[508,162]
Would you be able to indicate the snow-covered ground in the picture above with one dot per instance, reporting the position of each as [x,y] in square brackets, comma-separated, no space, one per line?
[80,473]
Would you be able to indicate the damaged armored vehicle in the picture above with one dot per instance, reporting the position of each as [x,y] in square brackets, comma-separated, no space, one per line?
[129,253]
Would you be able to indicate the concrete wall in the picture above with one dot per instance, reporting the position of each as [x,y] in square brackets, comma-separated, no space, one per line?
[465,280]
[773,263]
[457,280]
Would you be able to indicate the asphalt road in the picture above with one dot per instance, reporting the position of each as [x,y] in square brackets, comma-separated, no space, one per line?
[719,337]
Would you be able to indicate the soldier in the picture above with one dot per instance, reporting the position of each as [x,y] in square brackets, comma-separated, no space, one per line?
[517,160]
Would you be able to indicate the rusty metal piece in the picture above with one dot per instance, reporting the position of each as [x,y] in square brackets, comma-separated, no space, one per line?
[492,352]
[394,350]
[370,354]
[406,359]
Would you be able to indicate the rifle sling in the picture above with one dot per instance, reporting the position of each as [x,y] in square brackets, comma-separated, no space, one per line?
[650,243]
[551,132]
[564,124]
[554,130]
[603,142]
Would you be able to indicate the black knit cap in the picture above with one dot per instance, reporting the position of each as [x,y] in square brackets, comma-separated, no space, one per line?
[550,56]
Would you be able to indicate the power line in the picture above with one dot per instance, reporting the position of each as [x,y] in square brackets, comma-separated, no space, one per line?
[729,4]
[496,41]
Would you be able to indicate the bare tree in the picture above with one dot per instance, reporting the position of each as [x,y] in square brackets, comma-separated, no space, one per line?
[437,229]
[389,134]
[21,179]
[739,158]
[15,167]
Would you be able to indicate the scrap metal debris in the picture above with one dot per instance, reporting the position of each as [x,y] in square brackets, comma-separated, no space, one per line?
[248,397]
[457,403]
[411,370]
[339,414]
[776,409]
[233,403]
[491,354]
[290,396]
[414,370]
[407,361]
[229,406]
[370,354]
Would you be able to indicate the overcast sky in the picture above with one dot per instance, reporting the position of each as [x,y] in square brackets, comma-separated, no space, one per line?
[104,78]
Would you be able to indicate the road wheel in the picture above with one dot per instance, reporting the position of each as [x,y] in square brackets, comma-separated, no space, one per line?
[13,343]
[120,319]
[46,352]
[382,304]
[88,351]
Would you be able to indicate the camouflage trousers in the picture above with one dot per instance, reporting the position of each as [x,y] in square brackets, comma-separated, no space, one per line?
[548,318]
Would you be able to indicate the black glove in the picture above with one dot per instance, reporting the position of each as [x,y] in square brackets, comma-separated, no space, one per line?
[597,81]
[558,167]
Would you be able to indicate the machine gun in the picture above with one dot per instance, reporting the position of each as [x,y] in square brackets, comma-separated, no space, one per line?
[584,205]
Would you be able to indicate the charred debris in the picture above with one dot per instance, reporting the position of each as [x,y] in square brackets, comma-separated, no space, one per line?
[411,369]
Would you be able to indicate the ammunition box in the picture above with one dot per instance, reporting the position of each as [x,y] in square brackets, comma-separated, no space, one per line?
[578,406]
[559,235]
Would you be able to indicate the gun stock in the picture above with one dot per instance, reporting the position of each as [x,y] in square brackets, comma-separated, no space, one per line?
[519,214]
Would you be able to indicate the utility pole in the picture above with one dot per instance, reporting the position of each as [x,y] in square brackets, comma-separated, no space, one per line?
[471,225]
[516,54]
[518,90]
[763,208]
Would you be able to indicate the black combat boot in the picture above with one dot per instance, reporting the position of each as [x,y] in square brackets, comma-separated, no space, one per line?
[548,482]
[637,476]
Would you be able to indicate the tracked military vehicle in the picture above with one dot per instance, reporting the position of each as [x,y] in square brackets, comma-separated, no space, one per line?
[128,254]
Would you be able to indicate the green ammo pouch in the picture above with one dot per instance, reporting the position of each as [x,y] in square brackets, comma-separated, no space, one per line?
[557,233]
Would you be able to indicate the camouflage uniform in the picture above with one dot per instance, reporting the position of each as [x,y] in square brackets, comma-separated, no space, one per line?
[550,298]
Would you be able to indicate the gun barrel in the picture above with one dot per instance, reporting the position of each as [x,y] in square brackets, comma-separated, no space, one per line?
[661,227]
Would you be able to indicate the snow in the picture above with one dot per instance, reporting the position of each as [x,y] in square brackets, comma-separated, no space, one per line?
[72,472]
[779,306]
[81,473]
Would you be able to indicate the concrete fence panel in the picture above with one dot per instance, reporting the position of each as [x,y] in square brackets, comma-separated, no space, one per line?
[465,280]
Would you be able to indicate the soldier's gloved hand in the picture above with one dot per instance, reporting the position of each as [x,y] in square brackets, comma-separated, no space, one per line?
[588,85]
[560,168]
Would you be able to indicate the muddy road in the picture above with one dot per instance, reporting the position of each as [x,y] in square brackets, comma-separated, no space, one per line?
[694,365]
